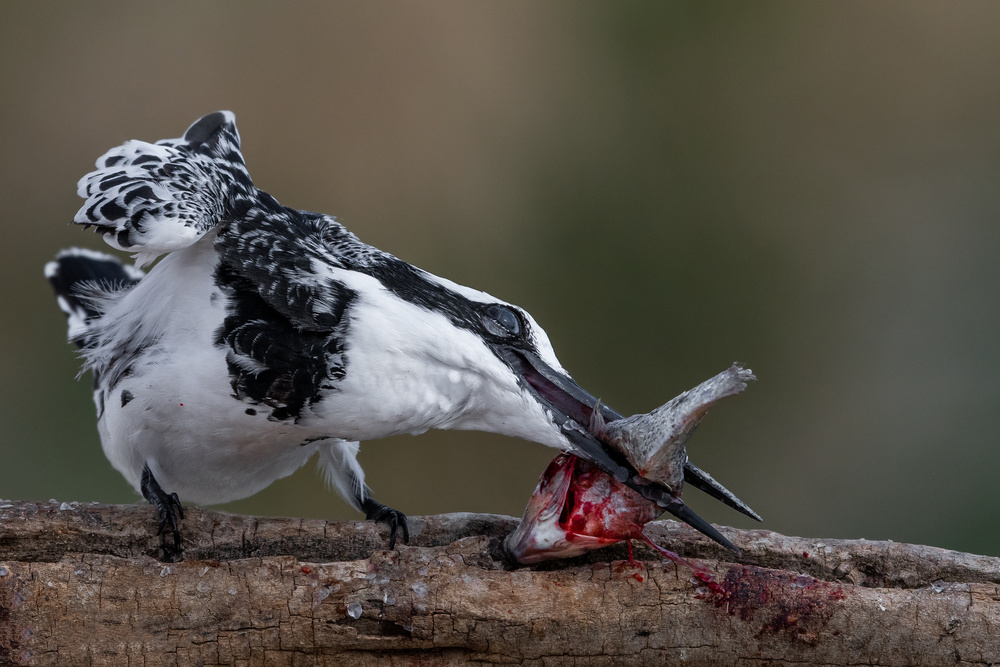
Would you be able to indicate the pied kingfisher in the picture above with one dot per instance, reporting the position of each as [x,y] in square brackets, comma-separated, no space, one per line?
[268,334]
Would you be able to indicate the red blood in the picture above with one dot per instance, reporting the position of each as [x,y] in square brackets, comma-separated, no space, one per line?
[306,570]
[805,554]
[589,509]
[777,601]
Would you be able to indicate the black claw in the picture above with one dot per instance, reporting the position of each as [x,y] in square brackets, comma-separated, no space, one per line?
[168,506]
[376,511]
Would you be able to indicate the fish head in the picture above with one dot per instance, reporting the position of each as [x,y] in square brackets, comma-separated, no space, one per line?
[576,508]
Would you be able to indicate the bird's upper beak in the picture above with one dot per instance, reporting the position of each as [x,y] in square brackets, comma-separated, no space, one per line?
[572,410]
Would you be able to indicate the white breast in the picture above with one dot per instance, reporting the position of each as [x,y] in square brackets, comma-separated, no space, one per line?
[410,369]
[175,411]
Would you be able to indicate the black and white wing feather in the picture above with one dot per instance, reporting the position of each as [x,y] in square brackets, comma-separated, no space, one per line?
[286,322]
[152,199]
[83,280]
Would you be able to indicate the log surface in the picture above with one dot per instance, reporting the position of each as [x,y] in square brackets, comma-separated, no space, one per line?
[80,584]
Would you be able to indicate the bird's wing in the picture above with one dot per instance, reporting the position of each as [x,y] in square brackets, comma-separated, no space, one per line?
[286,321]
[152,199]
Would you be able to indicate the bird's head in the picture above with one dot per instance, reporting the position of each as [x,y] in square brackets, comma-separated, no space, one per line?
[391,348]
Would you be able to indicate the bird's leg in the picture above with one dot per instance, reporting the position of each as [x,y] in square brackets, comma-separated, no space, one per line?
[376,511]
[168,506]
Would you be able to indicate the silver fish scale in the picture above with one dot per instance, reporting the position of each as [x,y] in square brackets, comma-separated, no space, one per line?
[655,442]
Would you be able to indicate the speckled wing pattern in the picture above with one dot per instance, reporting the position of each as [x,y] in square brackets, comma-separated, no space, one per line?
[286,321]
[155,198]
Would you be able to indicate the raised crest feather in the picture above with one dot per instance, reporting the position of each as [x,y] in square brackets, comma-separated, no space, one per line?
[152,199]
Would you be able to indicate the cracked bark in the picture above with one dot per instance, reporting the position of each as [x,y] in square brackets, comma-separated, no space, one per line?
[79,585]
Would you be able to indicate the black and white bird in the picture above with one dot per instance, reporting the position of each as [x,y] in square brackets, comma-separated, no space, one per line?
[268,334]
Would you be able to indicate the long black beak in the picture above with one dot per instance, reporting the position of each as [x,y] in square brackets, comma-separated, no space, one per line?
[572,407]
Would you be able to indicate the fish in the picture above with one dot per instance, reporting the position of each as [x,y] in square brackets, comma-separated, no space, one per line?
[577,507]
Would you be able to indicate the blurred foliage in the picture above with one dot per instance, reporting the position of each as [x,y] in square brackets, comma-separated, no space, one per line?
[809,188]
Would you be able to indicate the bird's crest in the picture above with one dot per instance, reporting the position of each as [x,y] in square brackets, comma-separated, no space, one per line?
[152,199]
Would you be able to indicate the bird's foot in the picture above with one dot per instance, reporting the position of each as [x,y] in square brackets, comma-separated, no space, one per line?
[168,506]
[376,511]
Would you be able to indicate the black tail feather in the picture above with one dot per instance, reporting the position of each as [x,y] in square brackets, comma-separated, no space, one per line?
[77,271]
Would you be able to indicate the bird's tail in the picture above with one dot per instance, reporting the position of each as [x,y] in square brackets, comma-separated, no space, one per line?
[80,278]
[152,199]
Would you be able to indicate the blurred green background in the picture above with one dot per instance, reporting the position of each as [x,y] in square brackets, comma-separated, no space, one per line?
[810,188]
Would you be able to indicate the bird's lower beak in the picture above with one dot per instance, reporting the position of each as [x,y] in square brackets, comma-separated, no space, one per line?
[572,410]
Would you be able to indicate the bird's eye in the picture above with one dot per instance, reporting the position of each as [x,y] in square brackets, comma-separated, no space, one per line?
[501,321]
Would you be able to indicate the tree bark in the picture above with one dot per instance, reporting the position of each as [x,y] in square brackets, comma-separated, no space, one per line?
[80,585]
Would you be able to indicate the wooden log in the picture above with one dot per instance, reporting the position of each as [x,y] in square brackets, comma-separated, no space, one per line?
[80,585]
